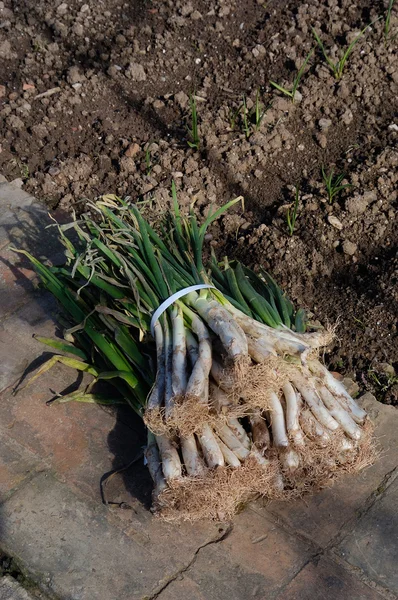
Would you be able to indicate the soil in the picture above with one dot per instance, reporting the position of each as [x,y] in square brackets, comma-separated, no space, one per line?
[94,99]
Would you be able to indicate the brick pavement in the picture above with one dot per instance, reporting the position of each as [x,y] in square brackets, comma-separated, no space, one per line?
[341,543]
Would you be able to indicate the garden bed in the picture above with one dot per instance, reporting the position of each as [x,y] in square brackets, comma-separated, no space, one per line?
[96,99]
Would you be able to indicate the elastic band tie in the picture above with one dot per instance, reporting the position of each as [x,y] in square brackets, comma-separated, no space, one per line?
[165,305]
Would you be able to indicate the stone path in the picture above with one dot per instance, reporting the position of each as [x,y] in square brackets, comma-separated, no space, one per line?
[10,589]
[342,543]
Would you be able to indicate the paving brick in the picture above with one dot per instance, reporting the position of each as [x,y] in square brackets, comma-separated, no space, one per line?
[372,545]
[12,590]
[16,282]
[73,550]
[185,587]
[24,225]
[34,230]
[17,347]
[79,441]
[254,561]
[323,515]
[13,201]
[63,434]
[16,464]
[325,579]
[24,220]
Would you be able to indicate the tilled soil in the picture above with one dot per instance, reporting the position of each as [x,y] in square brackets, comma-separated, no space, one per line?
[95,99]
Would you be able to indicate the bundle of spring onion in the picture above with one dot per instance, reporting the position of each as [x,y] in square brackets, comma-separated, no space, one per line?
[227,381]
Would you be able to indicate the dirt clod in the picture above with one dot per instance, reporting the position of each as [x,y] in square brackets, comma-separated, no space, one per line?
[349,248]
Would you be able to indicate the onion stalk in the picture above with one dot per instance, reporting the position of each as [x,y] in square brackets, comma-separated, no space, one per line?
[227,381]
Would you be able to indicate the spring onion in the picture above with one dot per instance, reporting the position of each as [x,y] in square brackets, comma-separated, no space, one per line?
[228,381]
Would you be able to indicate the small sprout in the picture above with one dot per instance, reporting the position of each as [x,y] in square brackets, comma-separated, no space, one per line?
[37,47]
[260,111]
[387,23]
[233,116]
[292,93]
[194,134]
[251,118]
[333,184]
[291,214]
[338,67]
[24,169]
[382,379]
[246,126]
[352,148]
[360,324]
[148,159]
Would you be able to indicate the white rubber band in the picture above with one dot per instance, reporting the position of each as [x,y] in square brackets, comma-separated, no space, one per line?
[165,305]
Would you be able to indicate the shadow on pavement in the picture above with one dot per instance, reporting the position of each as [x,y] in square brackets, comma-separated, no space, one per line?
[127,441]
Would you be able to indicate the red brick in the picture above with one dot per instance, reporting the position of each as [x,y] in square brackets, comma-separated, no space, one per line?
[16,281]
[323,515]
[71,438]
[17,347]
[254,561]
[16,464]
[81,442]
[12,198]
[24,227]
[325,579]
[82,554]
[185,588]
[372,545]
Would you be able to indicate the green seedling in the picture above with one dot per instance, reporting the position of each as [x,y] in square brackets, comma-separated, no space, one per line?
[387,23]
[292,93]
[233,116]
[338,67]
[352,148]
[291,214]
[246,126]
[194,134]
[360,324]
[38,47]
[333,184]
[259,111]
[148,159]
[24,169]
[251,118]
[382,380]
